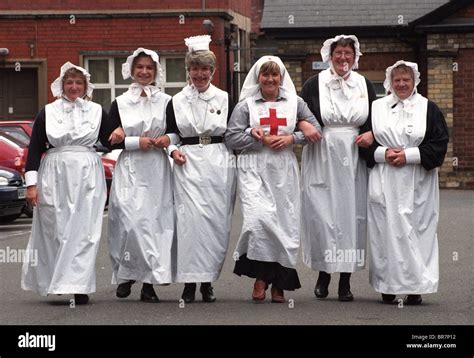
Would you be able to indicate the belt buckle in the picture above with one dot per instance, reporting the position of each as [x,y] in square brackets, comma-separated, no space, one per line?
[204,139]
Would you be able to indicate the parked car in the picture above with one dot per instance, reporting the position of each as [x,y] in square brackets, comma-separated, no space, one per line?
[13,153]
[12,194]
[24,126]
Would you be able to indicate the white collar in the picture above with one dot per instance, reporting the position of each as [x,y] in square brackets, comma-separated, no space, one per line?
[192,94]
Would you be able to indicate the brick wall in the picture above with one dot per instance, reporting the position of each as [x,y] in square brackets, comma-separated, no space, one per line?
[257,13]
[241,6]
[59,41]
[451,86]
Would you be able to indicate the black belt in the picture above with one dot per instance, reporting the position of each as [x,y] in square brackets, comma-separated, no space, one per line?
[203,139]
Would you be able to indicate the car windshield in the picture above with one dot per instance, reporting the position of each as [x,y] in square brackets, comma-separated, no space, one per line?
[17,133]
[5,137]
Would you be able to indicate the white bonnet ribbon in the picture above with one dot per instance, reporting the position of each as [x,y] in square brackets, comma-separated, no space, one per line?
[335,82]
[406,105]
[57,85]
[135,91]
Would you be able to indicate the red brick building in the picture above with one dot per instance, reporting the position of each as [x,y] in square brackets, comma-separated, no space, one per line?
[37,37]
[437,34]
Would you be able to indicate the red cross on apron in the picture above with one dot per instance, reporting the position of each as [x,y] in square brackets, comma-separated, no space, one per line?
[273,121]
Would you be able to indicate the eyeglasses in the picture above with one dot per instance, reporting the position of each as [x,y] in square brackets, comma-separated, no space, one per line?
[199,69]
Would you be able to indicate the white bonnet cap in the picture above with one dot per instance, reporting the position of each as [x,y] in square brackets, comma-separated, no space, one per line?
[251,85]
[326,49]
[198,43]
[387,84]
[57,85]
[127,66]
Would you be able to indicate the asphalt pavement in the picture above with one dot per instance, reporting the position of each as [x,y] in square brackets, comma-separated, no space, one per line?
[452,305]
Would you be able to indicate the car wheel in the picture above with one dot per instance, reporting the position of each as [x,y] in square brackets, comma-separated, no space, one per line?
[28,210]
[9,218]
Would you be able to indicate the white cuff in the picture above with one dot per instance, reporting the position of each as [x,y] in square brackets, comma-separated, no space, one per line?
[379,155]
[171,148]
[174,138]
[249,131]
[412,155]
[31,177]
[132,143]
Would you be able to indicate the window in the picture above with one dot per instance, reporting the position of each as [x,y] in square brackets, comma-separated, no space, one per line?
[174,73]
[379,89]
[377,78]
[106,75]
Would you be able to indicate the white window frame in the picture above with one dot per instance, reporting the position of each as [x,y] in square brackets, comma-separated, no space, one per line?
[111,84]
[165,83]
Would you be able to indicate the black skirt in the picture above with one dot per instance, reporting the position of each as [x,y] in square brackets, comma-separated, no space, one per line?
[284,278]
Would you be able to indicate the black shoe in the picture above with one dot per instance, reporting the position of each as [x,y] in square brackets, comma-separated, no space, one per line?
[207,292]
[148,293]
[124,289]
[344,291]
[81,299]
[321,289]
[412,300]
[189,292]
[386,298]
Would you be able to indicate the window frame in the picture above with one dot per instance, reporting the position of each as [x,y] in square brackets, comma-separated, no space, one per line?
[112,86]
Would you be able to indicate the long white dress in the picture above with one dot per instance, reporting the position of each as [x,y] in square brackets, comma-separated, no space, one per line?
[71,186]
[268,182]
[141,220]
[334,178]
[403,202]
[204,187]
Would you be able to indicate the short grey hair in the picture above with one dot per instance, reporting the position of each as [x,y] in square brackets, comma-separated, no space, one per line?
[201,58]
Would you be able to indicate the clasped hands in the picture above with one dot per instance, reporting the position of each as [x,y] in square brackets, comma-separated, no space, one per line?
[146,143]
[395,157]
[275,142]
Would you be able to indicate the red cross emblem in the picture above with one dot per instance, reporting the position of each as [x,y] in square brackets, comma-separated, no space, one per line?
[273,121]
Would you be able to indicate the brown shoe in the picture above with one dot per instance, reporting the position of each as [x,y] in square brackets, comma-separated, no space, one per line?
[277,295]
[259,288]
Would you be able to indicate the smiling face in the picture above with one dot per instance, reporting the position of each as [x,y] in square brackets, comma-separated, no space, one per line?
[269,80]
[144,70]
[74,86]
[343,58]
[200,76]
[403,82]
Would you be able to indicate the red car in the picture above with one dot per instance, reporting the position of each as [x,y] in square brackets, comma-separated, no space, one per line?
[13,153]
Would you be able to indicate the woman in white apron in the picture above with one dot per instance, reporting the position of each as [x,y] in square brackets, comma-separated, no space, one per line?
[141,222]
[411,139]
[334,177]
[67,188]
[262,127]
[204,174]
